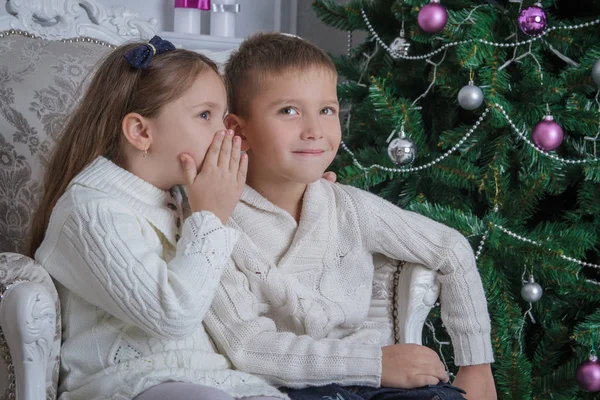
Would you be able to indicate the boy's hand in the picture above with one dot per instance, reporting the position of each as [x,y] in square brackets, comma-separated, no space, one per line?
[220,182]
[330,176]
[477,381]
[411,365]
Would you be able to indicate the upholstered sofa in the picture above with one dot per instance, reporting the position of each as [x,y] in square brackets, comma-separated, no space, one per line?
[47,49]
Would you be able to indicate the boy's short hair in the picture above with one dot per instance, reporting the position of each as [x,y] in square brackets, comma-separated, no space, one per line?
[263,55]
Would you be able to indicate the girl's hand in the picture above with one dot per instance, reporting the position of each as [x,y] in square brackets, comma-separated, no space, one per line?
[218,185]
[330,176]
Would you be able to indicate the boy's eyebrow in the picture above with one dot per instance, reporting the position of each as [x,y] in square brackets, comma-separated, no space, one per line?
[283,101]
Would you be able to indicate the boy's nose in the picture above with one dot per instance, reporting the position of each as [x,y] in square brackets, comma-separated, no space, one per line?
[311,134]
[311,130]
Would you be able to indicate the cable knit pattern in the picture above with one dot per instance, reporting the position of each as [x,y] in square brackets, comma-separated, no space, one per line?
[135,284]
[293,302]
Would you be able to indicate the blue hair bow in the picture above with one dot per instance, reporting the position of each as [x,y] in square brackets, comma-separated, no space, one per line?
[140,56]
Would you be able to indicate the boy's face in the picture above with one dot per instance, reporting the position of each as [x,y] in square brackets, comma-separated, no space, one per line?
[293,130]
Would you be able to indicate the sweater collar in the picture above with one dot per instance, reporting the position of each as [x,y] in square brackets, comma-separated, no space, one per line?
[156,205]
[313,202]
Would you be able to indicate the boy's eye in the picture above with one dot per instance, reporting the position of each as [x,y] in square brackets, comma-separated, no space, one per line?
[289,111]
[328,111]
[205,115]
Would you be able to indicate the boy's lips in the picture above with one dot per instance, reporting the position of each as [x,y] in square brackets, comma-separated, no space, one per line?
[309,152]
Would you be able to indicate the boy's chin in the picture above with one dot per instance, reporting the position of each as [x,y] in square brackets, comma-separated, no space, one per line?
[308,178]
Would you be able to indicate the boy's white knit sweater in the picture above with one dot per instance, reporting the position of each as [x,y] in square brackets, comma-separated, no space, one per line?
[292,305]
[133,298]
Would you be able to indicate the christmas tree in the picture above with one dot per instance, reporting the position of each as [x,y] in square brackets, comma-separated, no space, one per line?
[485,116]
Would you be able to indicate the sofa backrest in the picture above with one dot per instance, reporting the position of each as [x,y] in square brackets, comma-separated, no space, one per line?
[40,84]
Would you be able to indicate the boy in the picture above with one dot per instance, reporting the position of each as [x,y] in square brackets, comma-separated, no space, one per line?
[292,306]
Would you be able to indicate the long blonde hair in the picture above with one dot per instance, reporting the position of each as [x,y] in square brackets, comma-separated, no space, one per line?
[94,128]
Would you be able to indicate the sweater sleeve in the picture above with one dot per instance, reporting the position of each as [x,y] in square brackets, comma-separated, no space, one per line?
[404,235]
[253,344]
[102,253]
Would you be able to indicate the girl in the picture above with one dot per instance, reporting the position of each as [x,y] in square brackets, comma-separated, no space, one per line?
[135,272]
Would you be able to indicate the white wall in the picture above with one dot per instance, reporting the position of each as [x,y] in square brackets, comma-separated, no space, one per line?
[256,15]
[329,39]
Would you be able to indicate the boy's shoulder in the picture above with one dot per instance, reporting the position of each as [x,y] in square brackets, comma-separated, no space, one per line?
[339,189]
[345,193]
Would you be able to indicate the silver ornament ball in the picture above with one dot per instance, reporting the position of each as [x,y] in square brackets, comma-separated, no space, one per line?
[402,151]
[470,97]
[400,45]
[596,72]
[531,291]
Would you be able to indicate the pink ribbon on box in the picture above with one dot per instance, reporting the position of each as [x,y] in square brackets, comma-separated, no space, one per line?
[200,4]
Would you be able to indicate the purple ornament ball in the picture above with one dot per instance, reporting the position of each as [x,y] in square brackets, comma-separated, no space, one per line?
[547,135]
[433,17]
[588,375]
[532,20]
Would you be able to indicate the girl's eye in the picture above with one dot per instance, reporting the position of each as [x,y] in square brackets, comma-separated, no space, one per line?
[328,111]
[205,115]
[289,111]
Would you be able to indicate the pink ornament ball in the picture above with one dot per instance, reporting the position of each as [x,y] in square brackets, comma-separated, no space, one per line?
[433,17]
[547,135]
[588,375]
[532,20]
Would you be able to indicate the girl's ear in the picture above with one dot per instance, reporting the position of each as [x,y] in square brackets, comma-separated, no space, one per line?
[236,123]
[135,130]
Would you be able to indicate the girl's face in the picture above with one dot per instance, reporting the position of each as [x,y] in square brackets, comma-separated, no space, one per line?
[187,125]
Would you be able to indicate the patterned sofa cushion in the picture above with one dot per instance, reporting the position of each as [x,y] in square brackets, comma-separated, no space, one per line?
[40,83]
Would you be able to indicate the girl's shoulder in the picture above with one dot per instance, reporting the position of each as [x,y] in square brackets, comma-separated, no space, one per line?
[80,200]
[76,210]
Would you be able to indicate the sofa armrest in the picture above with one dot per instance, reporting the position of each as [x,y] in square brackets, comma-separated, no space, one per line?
[417,291]
[403,294]
[30,323]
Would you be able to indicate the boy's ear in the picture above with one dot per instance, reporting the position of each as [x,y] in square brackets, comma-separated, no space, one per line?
[135,130]
[236,123]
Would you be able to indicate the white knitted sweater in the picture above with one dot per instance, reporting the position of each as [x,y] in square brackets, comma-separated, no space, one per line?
[292,304]
[133,297]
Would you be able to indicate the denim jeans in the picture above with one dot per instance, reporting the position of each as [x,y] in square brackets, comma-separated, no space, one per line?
[190,391]
[443,391]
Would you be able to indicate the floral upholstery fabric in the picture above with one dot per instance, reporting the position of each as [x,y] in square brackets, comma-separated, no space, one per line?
[40,84]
